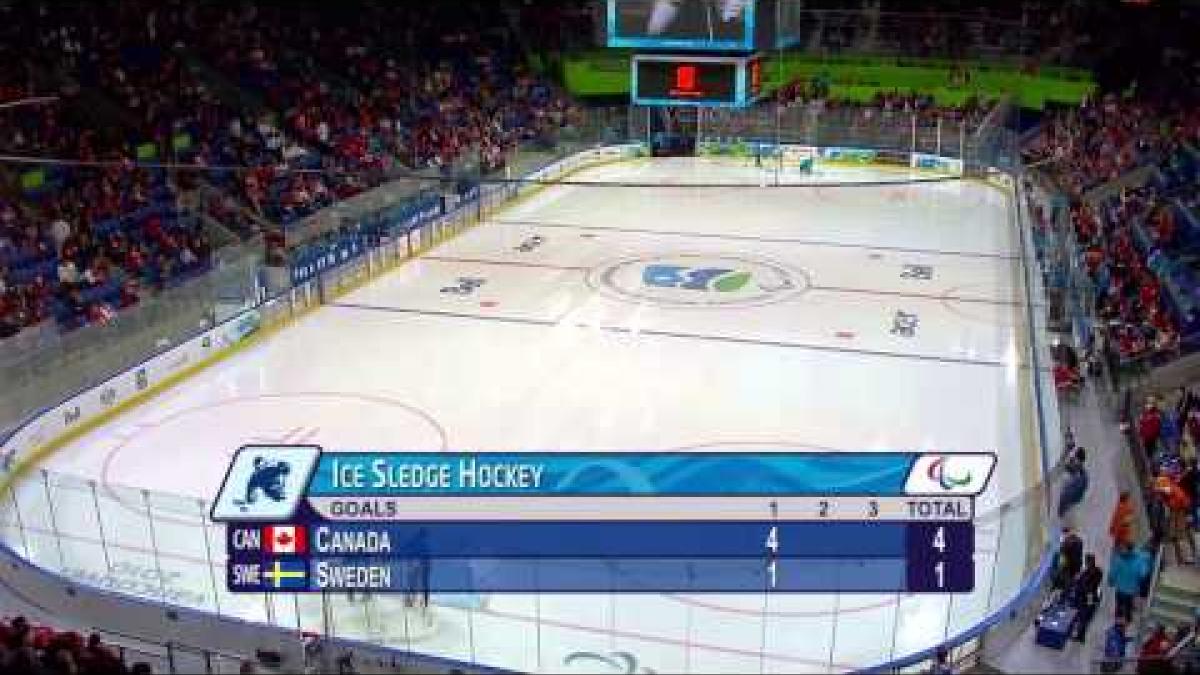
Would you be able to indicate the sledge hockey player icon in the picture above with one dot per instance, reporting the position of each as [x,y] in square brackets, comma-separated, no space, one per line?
[269,477]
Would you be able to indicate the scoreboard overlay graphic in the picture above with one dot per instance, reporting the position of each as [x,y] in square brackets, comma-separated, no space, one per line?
[300,519]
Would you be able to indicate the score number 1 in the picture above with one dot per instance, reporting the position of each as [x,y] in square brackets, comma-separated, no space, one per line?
[939,543]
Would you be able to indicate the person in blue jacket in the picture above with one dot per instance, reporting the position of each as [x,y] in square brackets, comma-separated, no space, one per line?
[1129,567]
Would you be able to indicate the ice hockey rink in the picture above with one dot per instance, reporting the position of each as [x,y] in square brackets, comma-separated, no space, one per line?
[825,317]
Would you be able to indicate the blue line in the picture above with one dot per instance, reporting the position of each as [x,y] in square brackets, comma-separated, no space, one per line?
[764,240]
[440,313]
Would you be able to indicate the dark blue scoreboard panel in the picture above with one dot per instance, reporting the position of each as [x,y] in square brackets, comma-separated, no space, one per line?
[703,81]
[303,520]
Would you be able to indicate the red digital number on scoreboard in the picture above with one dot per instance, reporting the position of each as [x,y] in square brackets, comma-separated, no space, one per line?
[686,77]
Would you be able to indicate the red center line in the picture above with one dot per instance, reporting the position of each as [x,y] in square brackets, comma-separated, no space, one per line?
[814,287]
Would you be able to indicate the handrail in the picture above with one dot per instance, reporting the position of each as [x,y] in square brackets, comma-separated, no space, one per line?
[168,644]
[1105,664]
[1028,279]
[1144,619]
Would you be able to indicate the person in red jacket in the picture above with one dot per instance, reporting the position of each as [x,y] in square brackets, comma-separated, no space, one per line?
[1152,658]
[1066,379]
[1148,293]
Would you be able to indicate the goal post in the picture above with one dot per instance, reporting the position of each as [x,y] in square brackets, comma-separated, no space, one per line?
[799,158]
[767,154]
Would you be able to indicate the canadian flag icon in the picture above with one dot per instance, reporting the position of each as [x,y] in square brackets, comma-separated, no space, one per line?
[285,540]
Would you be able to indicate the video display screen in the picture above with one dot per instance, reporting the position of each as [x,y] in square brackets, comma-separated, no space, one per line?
[683,24]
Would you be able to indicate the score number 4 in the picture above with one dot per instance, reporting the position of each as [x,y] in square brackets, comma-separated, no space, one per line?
[939,543]
[773,556]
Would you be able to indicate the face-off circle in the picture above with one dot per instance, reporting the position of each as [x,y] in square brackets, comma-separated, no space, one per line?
[698,280]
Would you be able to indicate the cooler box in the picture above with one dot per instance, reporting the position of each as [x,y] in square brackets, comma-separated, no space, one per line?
[1055,626]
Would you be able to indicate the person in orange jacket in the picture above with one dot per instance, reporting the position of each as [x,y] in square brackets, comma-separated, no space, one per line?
[1179,505]
[1120,525]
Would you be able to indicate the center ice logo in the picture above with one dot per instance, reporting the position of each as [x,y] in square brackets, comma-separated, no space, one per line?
[696,280]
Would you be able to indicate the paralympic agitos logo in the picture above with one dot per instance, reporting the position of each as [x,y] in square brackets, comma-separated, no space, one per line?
[938,473]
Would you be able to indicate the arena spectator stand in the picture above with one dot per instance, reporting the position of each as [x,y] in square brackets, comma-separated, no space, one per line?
[324,106]
[1139,242]
[1125,168]
[284,108]
[87,240]
[30,649]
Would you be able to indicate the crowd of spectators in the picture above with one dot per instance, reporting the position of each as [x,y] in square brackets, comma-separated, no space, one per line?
[935,27]
[29,649]
[1078,580]
[1119,41]
[419,87]
[1130,298]
[1105,138]
[284,108]
[901,107]
[1167,433]
[1137,246]
[279,109]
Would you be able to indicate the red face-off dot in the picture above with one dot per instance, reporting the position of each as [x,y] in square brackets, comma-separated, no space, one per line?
[488,304]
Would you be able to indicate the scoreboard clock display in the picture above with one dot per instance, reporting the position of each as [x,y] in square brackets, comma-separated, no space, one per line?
[696,80]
